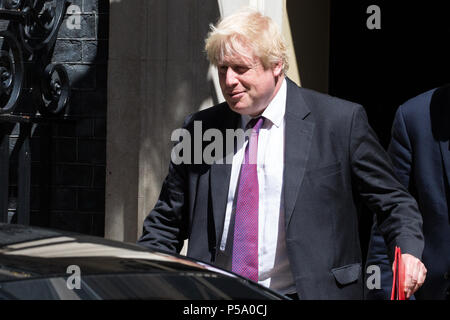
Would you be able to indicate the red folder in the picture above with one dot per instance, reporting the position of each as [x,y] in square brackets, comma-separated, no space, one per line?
[398,287]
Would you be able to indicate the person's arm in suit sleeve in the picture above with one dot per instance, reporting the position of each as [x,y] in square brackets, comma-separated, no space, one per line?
[400,150]
[165,227]
[397,214]
[400,153]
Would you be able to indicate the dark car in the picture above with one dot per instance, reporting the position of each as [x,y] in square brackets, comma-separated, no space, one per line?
[44,264]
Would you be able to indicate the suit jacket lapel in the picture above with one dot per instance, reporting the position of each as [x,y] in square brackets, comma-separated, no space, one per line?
[220,177]
[440,119]
[445,152]
[219,180]
[298,137]
[444,143]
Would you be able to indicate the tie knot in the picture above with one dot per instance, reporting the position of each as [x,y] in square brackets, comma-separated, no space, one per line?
[255,123]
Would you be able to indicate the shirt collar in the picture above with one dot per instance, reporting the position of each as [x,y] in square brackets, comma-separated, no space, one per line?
[275,110]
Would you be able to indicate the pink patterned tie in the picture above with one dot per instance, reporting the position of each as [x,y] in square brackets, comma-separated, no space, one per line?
[245,243]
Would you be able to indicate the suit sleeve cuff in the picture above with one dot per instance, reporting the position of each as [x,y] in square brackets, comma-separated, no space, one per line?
[412,246]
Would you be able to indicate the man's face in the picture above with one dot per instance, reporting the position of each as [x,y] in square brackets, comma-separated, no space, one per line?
[247,87]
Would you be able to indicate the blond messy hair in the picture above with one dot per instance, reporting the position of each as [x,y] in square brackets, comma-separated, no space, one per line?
[243,29]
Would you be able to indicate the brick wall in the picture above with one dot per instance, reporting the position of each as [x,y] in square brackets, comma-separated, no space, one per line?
[69,154]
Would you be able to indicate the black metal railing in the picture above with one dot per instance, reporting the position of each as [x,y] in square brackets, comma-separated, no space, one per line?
[31,35]
[26,70]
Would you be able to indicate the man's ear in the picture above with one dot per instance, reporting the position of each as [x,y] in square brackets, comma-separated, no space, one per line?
[277,69]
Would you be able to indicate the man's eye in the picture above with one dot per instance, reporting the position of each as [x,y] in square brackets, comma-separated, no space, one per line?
[223,69]
[241,69]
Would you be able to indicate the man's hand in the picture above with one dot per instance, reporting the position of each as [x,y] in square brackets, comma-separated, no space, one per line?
[415,273]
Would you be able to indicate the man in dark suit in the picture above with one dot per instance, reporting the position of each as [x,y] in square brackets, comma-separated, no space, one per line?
[420,153]
[283,211]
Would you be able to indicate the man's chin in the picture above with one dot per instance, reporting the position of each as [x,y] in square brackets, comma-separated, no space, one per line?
[238,108]
[245,111]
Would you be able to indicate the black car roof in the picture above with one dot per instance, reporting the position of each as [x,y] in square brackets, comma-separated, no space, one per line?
[33,252]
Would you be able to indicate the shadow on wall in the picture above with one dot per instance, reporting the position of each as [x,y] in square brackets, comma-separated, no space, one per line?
[180,81]
[169,73]
[309,22]
[158,75]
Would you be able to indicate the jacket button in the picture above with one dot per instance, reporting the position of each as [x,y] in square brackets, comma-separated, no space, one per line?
[447,276]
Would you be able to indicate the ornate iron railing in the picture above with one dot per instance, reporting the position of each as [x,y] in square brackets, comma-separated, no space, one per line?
[26,70]
[31,35]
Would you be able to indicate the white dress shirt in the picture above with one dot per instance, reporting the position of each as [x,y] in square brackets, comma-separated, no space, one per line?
[273,270]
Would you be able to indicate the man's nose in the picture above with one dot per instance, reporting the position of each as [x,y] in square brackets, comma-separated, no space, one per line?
[230,77]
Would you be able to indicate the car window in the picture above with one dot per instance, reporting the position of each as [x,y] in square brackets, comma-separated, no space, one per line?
[192,286]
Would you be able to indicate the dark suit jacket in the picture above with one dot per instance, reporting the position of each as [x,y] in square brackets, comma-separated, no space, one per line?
[333,161]
[420,153]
